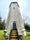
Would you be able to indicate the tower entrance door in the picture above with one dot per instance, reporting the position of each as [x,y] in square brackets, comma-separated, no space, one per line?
[14,25]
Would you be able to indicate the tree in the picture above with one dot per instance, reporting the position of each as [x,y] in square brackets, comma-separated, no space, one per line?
[27,27]
[0,19]
[2,24]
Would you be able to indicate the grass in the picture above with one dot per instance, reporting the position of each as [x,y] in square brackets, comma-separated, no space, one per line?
[24,38]
[1,35]
[27,37]
[28,33]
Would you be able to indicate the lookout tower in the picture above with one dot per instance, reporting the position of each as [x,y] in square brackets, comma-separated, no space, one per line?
[14,18]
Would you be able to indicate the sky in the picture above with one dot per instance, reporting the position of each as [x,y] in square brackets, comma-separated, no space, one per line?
[24,9]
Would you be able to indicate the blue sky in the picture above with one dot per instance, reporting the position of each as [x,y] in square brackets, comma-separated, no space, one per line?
[24,9]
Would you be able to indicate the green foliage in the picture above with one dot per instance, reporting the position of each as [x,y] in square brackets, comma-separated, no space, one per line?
[27,27]
[2,24]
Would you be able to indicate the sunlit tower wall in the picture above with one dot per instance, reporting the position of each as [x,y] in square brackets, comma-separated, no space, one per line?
[14,15]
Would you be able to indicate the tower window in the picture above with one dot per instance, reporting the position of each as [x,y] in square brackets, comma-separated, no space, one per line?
[13,7]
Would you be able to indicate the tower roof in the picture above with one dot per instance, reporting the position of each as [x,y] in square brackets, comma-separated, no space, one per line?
[13,3]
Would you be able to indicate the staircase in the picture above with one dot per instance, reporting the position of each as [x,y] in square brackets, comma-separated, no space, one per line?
[13,35]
